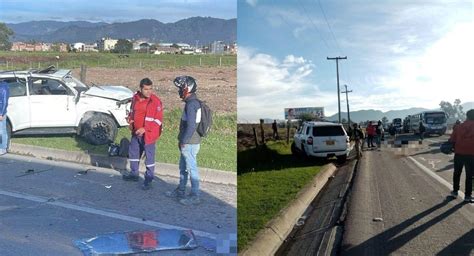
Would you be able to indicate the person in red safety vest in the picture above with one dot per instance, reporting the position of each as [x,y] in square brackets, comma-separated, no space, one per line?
[145,123]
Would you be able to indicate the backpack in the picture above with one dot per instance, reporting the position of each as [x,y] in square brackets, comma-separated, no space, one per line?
[204,126]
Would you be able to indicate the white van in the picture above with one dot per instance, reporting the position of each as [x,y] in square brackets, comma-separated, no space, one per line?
[321,139]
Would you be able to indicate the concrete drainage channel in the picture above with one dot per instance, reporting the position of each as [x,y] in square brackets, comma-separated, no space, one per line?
[319,230]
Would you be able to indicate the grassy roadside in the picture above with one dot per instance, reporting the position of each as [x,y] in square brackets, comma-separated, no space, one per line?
[24,60]
[268,179]
[218,150]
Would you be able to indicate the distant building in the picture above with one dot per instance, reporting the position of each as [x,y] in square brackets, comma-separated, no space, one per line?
[184,46]
[217,47]
[165,44]
[232,48]
[166,50]
[81,47]
[106,44]
[62,47]
[137,45]
[144,47]
[186,51]
[91,48]
[30,47]
[78,47]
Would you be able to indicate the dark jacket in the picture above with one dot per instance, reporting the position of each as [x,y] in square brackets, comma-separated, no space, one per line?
[189,121]
[4,95]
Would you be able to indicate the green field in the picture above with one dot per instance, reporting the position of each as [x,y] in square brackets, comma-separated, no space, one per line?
[218,150]
[269,177]
[24,60]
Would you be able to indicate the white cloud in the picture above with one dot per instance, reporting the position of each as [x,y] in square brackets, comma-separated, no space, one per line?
[252,2]
[442,72]
[267,85]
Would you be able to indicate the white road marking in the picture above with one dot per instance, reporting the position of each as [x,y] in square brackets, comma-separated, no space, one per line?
[436,177]
[433,162]
[40,199]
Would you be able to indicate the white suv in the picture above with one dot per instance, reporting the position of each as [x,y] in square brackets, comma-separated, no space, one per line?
[321,139]
[51,101]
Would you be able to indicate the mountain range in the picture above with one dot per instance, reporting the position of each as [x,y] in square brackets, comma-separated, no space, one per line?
[364,115]
[200,30]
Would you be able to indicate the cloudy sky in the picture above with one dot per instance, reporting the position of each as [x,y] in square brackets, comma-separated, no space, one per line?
[15,11]
[400,54]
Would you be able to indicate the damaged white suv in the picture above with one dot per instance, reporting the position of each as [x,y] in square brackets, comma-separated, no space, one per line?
[52,101]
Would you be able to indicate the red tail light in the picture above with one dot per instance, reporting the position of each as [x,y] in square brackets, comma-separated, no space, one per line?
[310,140]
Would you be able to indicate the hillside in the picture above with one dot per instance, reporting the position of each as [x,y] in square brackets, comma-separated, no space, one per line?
[201,30]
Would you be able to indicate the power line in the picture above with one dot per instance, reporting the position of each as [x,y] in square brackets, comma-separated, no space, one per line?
[314,25]
[329,26]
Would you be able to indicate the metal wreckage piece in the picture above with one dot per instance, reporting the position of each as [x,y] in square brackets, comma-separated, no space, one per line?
[138,241]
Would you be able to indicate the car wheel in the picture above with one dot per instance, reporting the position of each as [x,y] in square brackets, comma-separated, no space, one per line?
[99,129]
[294,150]
[303,151]
[342,159]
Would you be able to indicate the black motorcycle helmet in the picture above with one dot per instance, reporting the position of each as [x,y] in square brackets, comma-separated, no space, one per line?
[185,83]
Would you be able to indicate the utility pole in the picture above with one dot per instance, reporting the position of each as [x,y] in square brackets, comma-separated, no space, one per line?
[347,102]
[338,90]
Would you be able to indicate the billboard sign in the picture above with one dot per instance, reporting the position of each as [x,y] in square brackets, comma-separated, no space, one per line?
[294,113]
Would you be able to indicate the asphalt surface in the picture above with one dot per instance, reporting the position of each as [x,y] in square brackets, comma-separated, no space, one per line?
[46,205]
[398,204]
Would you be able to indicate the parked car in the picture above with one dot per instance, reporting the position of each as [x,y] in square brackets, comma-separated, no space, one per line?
[321,139]
[52,101]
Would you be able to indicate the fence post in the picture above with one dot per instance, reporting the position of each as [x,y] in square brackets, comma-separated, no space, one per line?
[83,73]
[255,137]
[262,131]
[288,132]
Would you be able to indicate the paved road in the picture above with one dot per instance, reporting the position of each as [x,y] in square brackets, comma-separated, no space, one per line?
[398,204]
[43,212]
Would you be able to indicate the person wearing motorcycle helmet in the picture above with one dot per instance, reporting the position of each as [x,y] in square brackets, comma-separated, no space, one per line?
[188,141]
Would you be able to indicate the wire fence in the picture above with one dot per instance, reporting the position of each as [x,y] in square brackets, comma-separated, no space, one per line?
[70,61]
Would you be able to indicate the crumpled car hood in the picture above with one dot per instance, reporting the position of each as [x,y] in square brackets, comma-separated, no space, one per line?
[110,92]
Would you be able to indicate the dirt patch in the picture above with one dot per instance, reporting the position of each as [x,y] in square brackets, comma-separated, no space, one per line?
[217,86]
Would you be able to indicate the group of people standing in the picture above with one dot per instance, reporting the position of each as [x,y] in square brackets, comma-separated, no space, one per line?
[146,124]
[374,132]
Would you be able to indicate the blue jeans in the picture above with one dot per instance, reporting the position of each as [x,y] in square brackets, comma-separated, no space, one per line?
[3,133]
[188,165]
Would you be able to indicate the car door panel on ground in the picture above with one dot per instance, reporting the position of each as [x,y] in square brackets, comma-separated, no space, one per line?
[52,104]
